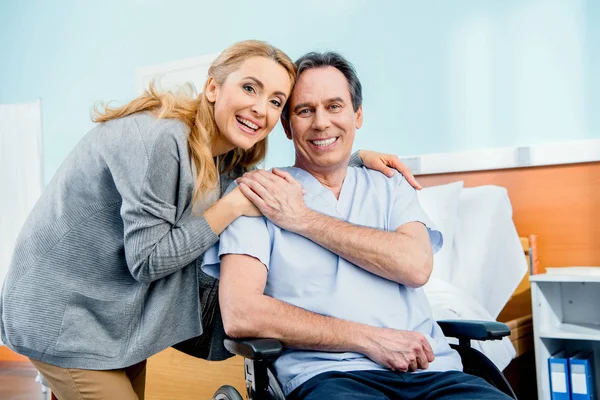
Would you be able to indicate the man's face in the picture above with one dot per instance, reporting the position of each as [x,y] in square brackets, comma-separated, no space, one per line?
[322,121]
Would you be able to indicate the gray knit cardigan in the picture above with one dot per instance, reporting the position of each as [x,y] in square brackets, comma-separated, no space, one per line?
[105,271]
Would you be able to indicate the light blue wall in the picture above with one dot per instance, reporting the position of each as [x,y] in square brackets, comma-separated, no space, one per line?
[438,76]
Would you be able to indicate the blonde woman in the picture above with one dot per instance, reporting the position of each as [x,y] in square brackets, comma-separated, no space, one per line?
[105,271]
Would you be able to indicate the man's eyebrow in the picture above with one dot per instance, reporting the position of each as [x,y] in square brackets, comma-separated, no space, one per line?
[328,101]
[301,105]
[262,86]
[335,100]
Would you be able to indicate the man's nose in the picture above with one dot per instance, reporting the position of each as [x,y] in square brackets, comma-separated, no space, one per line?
[321,120]
[259,108]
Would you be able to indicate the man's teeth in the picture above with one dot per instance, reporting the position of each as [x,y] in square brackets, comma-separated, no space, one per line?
[323,143]
[249,124]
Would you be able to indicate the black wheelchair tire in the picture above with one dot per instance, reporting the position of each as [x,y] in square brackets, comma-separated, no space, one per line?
[227,392]
[274,388]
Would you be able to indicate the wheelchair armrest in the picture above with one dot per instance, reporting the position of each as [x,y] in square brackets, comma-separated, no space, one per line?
[254,349]
[476,330]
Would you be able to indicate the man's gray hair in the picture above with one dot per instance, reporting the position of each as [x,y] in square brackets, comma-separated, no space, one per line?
[329,59]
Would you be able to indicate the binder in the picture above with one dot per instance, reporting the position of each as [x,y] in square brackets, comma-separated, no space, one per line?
[581,367]
[558,365]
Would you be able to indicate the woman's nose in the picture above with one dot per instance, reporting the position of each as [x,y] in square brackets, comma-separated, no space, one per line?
[259,108]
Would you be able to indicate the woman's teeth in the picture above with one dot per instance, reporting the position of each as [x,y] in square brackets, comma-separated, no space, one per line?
[249,124]
[323,143]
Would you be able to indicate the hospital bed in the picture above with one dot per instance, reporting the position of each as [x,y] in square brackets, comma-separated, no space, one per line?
[486,274]
[481,272]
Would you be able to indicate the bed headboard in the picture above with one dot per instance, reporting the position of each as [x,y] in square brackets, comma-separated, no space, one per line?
[560,204]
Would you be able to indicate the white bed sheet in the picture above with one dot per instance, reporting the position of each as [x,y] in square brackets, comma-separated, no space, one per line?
[450,302]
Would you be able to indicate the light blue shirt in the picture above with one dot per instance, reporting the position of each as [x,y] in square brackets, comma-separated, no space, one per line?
[302,273]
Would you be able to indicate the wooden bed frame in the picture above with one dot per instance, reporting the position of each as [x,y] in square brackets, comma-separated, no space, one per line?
[517,312]
[520,373]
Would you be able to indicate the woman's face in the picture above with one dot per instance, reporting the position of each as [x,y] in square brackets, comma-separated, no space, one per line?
[249,103]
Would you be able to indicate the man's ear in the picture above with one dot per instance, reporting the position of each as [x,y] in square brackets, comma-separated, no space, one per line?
[359,117]
[286,127]
[212,89]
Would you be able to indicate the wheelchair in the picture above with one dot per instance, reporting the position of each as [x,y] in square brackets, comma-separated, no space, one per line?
[262,384]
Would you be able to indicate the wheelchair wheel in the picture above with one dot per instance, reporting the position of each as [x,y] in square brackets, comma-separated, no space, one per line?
[227,392]
[274,388]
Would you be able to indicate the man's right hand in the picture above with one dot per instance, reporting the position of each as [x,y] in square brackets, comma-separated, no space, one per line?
[397,350]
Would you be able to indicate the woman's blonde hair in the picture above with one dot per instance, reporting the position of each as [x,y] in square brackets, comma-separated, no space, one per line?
[199,114]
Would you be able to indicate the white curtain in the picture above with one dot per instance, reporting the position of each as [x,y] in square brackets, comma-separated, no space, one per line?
[20,172]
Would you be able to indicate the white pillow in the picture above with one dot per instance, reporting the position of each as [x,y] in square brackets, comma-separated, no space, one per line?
[441,205]
[488,260]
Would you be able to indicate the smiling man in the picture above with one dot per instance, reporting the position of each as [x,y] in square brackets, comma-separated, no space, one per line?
[357,248]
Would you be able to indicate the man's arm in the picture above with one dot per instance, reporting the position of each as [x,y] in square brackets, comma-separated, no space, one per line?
[404,255]
[248,312]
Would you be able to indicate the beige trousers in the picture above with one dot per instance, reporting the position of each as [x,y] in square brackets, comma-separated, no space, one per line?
[82,384]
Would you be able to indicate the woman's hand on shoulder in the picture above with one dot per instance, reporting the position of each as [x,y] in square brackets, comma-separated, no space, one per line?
[277,195]
[241,203]
[386,164]
[229,208]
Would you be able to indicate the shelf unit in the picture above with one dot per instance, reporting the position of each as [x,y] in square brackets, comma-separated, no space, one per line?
[566,315]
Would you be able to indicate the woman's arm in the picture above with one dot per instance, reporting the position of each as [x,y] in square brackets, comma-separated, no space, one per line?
[229,208]
[384,163]
[159,237]
[156,247]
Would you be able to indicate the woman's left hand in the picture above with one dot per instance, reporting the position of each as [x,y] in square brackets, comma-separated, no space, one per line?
[277,195]
[386,164]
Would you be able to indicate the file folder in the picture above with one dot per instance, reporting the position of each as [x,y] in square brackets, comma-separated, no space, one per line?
[558,366]
[581,367]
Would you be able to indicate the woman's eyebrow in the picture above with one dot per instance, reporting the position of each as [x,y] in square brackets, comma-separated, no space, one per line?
[262,86]
[259,83]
